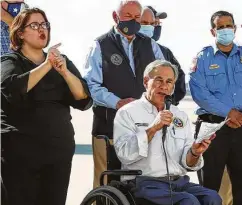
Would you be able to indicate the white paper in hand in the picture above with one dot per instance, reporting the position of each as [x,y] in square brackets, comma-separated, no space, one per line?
[208,129]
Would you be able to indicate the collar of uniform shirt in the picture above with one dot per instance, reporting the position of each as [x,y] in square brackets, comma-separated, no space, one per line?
[123,38]
[234,50]
[148,106]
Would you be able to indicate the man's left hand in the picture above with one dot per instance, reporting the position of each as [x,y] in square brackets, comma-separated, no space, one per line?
[199,148]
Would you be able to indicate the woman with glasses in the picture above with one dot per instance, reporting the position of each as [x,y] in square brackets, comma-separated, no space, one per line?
[37,91]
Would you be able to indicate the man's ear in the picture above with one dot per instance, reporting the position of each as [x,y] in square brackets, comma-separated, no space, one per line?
[146,79]
[235,28]
[213,32]
[115,17]
[4,5]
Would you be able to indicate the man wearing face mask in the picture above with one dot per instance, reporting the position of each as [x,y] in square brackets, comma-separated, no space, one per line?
[9,9]
[151,26]
[216,86]
[114,73]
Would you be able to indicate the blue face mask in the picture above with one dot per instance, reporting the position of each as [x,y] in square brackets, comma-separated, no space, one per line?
[225,36]
[14,8]
[147,30]
[129,28]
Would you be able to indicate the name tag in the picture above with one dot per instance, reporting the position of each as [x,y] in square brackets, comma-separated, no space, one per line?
[142,124]
[214,66]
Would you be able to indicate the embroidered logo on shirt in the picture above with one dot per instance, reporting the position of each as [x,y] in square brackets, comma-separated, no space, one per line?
[214,66]
[178,122]
[116,59]
[142,124]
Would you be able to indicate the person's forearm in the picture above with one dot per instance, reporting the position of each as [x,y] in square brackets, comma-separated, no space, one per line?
[192,159]
[203,97]
[37,74]
[75,86]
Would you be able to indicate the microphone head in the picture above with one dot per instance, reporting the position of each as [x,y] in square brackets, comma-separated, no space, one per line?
[168,101]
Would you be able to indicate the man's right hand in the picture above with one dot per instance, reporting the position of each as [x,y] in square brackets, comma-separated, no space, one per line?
[164,118]
[235,119]
[123,102]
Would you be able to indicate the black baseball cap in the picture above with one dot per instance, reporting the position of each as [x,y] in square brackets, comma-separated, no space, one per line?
[160,15]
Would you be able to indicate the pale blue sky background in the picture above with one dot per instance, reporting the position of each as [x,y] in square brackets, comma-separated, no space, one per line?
[76,23]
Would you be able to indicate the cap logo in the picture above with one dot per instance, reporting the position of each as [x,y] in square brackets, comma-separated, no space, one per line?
[178,122]
[116,59]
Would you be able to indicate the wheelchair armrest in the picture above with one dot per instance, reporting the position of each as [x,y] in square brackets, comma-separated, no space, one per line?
[119,172]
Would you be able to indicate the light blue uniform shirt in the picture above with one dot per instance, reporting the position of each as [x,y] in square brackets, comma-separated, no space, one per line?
[216,85]
[92,71]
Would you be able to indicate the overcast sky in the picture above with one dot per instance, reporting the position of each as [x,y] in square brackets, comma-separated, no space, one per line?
[76,23]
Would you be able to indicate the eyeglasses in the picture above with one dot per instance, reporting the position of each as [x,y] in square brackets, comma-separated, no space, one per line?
[36,25]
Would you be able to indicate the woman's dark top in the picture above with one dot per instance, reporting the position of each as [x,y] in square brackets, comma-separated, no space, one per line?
[43,112]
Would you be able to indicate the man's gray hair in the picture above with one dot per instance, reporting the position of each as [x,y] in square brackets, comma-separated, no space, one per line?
[121,3]
[147,8]
[163,63]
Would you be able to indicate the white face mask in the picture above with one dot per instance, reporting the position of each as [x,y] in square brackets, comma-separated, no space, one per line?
[147,30]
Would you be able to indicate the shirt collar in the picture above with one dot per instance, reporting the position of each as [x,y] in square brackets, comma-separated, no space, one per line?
[147,105]
[234,50]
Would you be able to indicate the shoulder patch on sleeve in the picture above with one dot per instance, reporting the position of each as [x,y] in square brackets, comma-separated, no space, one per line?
[193,66]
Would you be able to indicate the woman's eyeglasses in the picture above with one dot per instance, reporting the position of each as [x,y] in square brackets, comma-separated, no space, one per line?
[36,25]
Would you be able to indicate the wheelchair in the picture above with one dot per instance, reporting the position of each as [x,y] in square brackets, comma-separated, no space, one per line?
[115,192]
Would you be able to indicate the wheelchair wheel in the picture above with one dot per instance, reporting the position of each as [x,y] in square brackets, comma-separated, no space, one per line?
[105,195]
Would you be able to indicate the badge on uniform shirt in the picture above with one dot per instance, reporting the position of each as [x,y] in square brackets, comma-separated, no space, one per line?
[116,59]
[241,59]
[178,122]
[213,66]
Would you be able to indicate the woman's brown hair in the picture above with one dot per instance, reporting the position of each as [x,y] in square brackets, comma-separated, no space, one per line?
[18,25]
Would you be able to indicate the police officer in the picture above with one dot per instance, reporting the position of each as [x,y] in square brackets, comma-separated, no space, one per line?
[114,73]
[138,141]
[216,86]
[151,26]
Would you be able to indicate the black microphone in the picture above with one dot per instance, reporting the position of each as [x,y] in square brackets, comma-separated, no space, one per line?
[168,101]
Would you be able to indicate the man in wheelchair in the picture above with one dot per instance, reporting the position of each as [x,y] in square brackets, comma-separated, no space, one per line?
[138,141]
